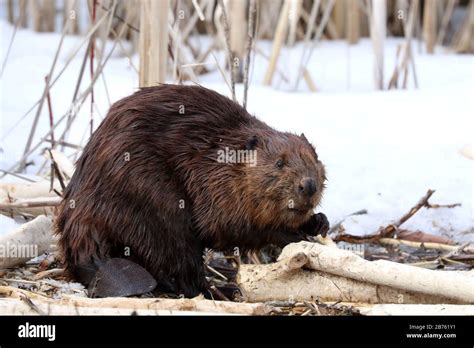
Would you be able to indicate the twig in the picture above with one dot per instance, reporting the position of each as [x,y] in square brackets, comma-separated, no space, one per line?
[91,64]
[221,71]
[219,293]
[267,57]
[457,250]
[17,175]
[124,21]
[250,40]
[307,38]
[336,226]
[445,21]
[198,10]
[230,55]
[390,230]
[31,203]
[50,110]
[30,304]
[56,171]
[213,270]
[436,206]
[76,91]
[426,245]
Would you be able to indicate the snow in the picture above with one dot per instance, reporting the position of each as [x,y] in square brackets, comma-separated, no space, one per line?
[382,149]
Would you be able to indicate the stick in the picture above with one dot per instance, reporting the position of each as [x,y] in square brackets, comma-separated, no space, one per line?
[32,203]
[426,245]
[198,10]
[56,172]
[230,55]
[50,111]
[390,230]
[423,202]
[280,34]
[91,65]
[9,191]
[250,39]
[30,207]
[448,13]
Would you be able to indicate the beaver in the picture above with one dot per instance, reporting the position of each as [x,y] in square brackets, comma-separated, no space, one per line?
[175,169]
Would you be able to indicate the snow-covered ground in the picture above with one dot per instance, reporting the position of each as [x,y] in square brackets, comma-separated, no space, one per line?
[382,149]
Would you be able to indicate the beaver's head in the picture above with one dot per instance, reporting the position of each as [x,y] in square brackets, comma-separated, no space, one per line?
[286,180]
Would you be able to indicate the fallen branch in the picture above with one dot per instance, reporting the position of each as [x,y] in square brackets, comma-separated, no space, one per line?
[30,206]
[121,305]
[28,241]
[390,230]
[230,55]
[452,285]
[12,191]
[250,45]
[436,246]
[286,280]
[64,165]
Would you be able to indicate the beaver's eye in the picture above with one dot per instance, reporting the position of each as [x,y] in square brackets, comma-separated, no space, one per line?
[279,164]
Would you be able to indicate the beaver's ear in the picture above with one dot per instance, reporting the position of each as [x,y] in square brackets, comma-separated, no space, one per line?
[313,150]
[251,143]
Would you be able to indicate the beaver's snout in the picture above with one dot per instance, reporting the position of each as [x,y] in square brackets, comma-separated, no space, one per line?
[307,187]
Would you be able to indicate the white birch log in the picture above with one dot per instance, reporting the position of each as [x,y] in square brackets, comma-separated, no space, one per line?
[10,191]
[168,306]
[28,241]
[286,281]
[452,285]
[10,306]
[32,206]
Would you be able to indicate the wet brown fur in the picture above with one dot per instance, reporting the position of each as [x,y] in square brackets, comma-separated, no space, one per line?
[112,204]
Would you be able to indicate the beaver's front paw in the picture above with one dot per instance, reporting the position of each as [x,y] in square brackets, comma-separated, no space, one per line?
[317,224]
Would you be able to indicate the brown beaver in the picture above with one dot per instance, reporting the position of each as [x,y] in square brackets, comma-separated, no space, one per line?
[165,176]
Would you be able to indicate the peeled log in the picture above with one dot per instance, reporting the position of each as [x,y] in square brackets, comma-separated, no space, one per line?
[125,305]
[285,280]
[27,190]
[11,306]
[452,285]
[28,241]
[31,206]
[13,193]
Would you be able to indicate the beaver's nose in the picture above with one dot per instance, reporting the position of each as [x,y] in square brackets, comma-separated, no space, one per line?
[307,187]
